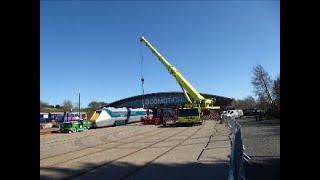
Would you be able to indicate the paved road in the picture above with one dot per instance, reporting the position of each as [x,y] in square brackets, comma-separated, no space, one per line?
[138,152]
[262,144]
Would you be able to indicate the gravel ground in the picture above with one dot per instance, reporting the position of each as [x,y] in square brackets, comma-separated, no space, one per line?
[49,129]
[262,143]
[138,152]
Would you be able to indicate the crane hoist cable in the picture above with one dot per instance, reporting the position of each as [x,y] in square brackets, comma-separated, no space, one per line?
[141,74]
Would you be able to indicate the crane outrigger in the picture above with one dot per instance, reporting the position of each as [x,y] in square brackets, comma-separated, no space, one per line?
[197,107]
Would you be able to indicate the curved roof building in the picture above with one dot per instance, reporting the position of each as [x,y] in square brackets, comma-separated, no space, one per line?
[168,99]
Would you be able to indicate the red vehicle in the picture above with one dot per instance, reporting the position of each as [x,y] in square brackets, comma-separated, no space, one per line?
[168,116]
[152,117]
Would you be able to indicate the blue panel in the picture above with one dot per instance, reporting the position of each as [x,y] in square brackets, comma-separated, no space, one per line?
[125,113]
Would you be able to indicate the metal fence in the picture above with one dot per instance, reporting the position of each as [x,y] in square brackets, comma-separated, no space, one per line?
[236,170]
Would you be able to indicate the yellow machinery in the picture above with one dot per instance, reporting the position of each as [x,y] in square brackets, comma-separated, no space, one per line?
[195,101]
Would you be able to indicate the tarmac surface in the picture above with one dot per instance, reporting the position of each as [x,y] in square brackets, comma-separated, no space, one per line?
[262,143]
[137,151]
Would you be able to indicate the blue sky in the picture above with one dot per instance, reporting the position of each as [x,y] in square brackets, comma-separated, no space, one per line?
[94,46]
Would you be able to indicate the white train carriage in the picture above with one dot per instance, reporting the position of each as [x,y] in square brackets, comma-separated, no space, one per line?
[113,116]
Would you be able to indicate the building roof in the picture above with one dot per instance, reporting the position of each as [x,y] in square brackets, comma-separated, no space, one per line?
[220,100]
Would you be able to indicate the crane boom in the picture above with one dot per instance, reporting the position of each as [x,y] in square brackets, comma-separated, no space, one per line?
[189,90]
[198,108]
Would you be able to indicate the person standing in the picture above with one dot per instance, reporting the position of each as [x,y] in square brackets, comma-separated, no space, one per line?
[64,116]
[256,114]
[260,115]
[49,117]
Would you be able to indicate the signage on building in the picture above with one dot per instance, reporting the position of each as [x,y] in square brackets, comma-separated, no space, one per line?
[168,100]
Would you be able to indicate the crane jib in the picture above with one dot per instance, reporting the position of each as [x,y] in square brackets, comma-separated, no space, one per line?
[188,89]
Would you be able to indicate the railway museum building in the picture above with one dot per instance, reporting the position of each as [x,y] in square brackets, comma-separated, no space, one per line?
[168,99]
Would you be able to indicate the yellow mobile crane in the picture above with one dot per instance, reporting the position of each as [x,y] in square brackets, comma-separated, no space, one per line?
[197,107]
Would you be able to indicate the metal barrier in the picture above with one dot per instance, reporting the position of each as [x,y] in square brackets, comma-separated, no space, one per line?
[236,170]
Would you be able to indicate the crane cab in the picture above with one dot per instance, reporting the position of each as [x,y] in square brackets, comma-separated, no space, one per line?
[189,115]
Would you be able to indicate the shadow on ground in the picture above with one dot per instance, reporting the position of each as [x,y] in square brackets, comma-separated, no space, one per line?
[176,125]
[263,168]
[247,121]
[262,142]
[152,171]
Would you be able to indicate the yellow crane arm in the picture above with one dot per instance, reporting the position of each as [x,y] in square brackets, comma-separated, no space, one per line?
[186,86]
[186,94]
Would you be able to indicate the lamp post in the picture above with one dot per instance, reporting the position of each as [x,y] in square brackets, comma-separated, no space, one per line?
[79,105]
[142,98]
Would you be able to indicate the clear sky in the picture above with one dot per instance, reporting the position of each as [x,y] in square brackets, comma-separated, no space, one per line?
[94,46]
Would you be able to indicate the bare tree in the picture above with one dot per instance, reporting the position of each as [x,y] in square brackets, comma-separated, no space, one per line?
[276,92]
[102,103]
[246,103]
[67,105]
[96,104]
[263,103]
[250,102]
[44,104]
[262,84]
[234,103]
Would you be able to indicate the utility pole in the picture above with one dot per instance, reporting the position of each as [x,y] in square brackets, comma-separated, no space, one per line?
[79,106]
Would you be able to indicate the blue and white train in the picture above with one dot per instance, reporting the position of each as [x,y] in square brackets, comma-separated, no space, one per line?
[109,116]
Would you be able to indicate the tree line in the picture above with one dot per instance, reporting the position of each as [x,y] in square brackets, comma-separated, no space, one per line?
[67,106]
[266,90]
